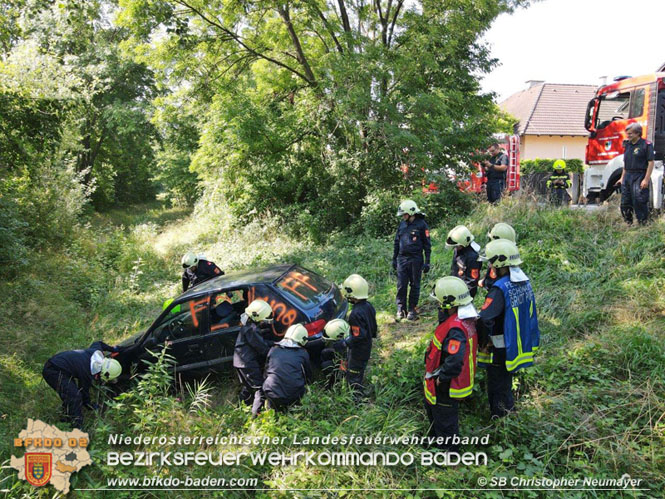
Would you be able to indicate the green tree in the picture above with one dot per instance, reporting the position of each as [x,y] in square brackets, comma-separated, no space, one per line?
[308,107]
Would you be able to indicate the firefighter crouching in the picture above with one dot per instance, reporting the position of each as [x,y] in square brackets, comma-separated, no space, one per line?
[450,360]
[287,372]
[362,320]
[499,231]
[508,325]
[333,355]
[71,374]
[197,270]
[252,348]
[558,183]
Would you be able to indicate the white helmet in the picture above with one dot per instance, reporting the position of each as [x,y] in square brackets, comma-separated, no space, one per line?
[296,333]
[189,259]
[258,311]
[407,207]
[336,329]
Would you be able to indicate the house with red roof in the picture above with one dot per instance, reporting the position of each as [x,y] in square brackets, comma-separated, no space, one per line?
[550,119]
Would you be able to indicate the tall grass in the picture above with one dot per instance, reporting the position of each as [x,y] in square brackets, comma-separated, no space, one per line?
[594,404]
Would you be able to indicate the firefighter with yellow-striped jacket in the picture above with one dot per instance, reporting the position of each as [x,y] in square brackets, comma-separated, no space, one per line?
[558,183]
[450,360]
[508,330]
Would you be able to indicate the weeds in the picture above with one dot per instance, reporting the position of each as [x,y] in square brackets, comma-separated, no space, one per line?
[593,406]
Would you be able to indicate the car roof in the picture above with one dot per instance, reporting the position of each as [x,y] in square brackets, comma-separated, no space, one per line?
[265,275]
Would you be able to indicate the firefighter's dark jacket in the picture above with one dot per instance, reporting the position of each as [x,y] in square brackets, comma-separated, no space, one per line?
[412,239]
[204,270]
[76,363]
[287,372]
[467,267]
[251,347]
[490,322]
[363,328]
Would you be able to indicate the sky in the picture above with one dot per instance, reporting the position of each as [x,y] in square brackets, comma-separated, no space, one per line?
[575,41]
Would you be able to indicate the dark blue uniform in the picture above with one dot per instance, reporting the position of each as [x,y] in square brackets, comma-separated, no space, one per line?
[287,372]
[636,158]
[499,379]
[411,241]
[359,343]
[203,271]
[467,267]
[496,180]
[249,357]
[68,373]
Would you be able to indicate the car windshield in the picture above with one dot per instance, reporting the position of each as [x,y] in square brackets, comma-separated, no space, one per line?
[306,288]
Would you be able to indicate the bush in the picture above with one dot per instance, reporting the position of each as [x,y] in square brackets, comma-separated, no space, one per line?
[539,165]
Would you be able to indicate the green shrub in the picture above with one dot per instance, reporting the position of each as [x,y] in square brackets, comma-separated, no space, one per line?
[539,165]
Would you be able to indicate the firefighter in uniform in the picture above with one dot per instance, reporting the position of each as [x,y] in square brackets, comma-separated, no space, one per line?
[287,372]
[362,320]
[450,360]
[465,264]
[71,374]
[411,241]
[333,355]
[252,348]
[508,325]
[558,182]
[197,270]
[638,162]
[499,231]
[495,169]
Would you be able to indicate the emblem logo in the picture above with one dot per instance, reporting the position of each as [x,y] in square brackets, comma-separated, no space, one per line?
[608,145]
[38,468]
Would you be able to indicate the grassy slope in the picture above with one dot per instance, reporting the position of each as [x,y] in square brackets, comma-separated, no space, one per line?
[593,406]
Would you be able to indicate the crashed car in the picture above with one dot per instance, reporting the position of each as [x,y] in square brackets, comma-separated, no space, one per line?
[201,325]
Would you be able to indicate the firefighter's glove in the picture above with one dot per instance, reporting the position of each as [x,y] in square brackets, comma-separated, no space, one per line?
[426,268]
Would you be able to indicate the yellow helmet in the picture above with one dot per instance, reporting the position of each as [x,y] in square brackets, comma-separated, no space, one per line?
[336,329]
[355,287]
[502,231]
[501,253]
[450,292]
[296,333]
[459,236]
[258,311]
[559,164]
[111,369]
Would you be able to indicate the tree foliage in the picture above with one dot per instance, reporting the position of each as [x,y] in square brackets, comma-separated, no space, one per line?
[313,106]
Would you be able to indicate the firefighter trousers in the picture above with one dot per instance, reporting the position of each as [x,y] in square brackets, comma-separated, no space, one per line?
[634,198]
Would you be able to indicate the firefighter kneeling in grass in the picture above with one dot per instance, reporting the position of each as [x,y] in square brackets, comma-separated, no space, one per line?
[333,355]
[508,325]
[450,360]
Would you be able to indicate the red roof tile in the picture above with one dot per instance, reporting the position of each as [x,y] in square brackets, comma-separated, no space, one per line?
[550,109]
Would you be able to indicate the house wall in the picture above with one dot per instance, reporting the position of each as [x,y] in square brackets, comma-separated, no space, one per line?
[548,146]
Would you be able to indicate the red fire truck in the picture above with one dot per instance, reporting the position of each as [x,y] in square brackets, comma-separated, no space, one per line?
[626,100]
[479,178]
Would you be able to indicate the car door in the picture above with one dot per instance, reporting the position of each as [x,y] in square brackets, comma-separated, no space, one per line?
[183,329]
[225,310]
